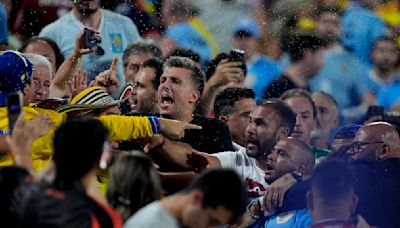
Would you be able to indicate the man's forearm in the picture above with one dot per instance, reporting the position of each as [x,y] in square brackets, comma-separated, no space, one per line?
[176,152]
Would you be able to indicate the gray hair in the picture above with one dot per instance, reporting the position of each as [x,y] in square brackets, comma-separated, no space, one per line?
[39,60]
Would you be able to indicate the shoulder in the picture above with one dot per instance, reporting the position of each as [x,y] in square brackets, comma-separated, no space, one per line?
[208,122]
[56,25]
[144,218]
[116,17]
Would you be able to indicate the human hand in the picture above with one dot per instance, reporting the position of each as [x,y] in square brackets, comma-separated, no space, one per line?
[78,82]
[275,193]
[80,48]
[108,78]
[156,141]
[23,135]
[197,161]
[175,129]
[227,72]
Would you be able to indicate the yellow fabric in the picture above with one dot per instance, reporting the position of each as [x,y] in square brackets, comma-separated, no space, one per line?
[306,24]
[122,128]
[389,13]
[206,34]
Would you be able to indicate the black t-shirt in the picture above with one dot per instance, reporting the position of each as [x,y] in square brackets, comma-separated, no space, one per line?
[377,184]
[279,86]
[212,138]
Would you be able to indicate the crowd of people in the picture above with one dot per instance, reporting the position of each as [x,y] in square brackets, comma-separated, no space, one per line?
[206,113]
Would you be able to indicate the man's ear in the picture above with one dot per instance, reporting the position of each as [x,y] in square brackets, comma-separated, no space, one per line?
[282,132]
[194,97]
[196,197]
[223,118]
[310,201]
[383,152]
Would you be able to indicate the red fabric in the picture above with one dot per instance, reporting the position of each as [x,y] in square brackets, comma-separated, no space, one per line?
[117,220]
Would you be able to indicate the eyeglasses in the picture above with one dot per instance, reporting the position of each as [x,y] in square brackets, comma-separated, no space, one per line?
[357,145]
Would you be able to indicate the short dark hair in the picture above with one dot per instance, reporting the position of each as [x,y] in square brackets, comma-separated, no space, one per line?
[141,47]
[287,118]
[295,44]
[196,76]
[300,93]
[333,179]
[384,38]
[157,65]
[188,53]
[214,184]
[78,145]
[212,65]
[323,10]
[59,56]
[226,100]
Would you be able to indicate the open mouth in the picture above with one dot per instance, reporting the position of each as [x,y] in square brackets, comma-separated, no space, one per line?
[166,101]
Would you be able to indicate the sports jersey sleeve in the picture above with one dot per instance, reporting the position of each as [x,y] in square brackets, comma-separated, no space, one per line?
[227,159]
[125,128]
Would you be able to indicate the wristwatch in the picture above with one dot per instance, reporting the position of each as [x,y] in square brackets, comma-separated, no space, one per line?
[297,176]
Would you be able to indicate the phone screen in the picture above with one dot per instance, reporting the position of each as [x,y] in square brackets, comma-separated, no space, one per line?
[14,107]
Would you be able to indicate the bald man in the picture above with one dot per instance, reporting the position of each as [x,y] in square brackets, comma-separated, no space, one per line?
[378,140]
[288,155]
[376,169]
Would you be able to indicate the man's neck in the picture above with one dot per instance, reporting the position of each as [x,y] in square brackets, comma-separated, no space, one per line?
[385,75]
[261,163]
[92,21]
[296,73]
[326,213]
[320,142]
[186,116]
[174,205]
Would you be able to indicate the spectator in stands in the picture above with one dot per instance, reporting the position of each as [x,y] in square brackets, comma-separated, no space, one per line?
[344,136]
[301,103]
[204,203]
[146,82]
[117,32]
[134,183]
[385,58]
[38,89]
[342,71]
[135,55]
[327,119]
[68,200]
[332,199]
[261,70]
[306,56]
[184,30]
[45,47]
[361,27]
[233,106]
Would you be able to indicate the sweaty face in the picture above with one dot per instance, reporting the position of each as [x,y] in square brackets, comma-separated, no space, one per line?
[44,49]
[39,88]
[385,55]
[305,121]
[87,7]
[261,134]
[280,161]
[365,146]
[327,114]
[239,120]
[135,63]
[328,25]
[143,98]
[176,93]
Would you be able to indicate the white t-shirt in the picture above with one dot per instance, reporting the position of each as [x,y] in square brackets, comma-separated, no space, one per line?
[116,32]
[150,216]
[247,168]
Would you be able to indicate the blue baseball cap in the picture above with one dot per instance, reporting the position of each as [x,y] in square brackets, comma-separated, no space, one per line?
[247,27]
[15,71]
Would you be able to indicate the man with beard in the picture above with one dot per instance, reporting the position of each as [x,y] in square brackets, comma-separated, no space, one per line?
[271,121]
[327,119]
[117,31]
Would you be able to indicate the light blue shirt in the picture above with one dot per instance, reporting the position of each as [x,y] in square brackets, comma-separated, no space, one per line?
[360,29]
[260,73]
[342,76]
[3,25]
[292,219]
[389,96]
[186,36]
[116,32]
